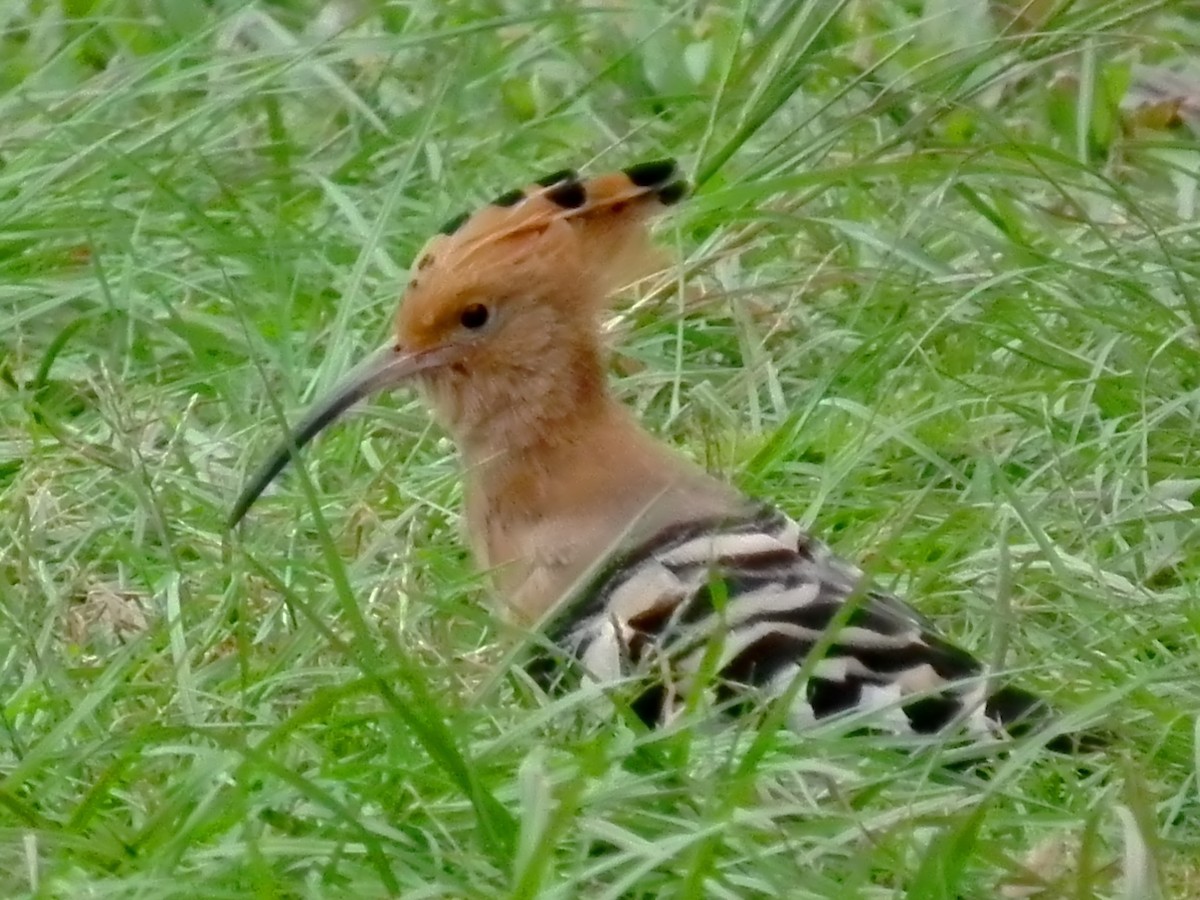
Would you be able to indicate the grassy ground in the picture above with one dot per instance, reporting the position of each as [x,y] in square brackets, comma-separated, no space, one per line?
[942,302]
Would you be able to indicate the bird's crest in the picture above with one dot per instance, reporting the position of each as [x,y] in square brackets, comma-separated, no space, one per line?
[599,223]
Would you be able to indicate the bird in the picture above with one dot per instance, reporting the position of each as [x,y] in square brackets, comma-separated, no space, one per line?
[637,565]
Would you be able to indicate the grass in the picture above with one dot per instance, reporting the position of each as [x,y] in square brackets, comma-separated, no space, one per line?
[941,293]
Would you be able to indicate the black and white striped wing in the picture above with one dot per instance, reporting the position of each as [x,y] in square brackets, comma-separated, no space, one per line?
[748,599]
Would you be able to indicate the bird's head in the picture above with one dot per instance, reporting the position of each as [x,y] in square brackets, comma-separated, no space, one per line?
[499,318]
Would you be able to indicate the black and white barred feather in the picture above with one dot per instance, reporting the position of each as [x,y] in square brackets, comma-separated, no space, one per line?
[769,594]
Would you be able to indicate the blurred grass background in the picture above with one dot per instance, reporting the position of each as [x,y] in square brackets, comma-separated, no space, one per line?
[938,297]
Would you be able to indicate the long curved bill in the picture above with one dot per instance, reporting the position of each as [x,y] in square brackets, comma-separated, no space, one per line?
[387,367]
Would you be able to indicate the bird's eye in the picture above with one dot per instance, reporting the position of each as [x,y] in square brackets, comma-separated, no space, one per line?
[474,316]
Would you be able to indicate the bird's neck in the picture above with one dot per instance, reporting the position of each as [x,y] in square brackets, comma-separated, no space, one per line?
[559,473]
[517,464]
[547,511]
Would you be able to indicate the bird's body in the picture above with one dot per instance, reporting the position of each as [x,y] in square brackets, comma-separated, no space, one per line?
[746,598]
[641,562]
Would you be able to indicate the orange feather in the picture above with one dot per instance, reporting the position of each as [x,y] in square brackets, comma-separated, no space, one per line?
[557,471]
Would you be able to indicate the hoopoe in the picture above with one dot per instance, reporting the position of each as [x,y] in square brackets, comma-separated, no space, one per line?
[636,558]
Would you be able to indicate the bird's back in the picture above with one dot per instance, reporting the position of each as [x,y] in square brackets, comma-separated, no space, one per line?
[737,605]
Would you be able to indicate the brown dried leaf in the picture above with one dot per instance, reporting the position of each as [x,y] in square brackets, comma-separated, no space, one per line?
[1159,98]
[108,614]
